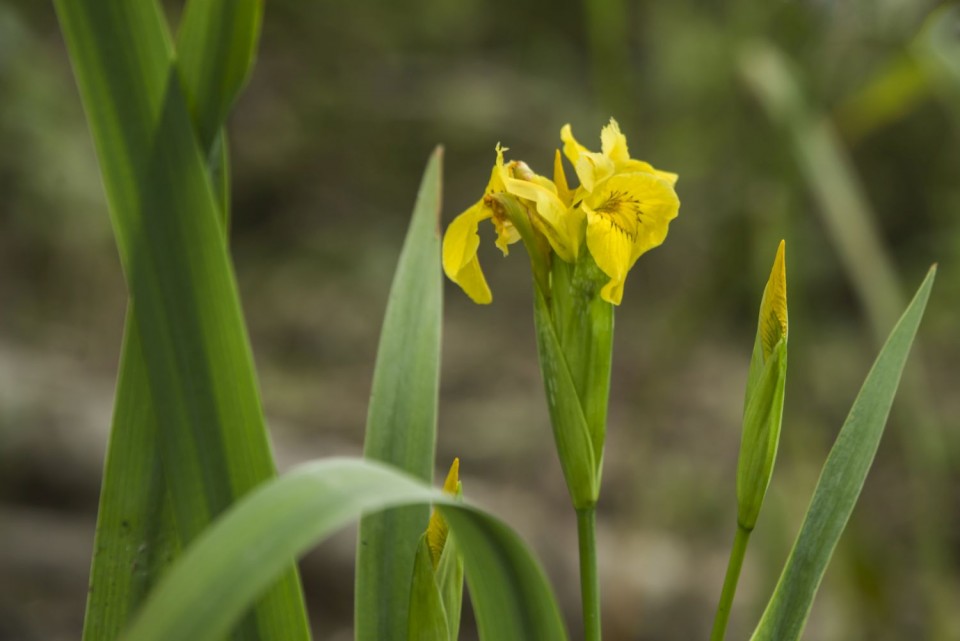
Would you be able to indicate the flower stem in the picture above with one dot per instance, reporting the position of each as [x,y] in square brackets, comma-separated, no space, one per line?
[589,581]
[730,583]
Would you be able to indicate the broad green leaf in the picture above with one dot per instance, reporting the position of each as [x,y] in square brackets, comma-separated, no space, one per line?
[402,418]
[198,366]
[135,528]
[221,574]
[840,482]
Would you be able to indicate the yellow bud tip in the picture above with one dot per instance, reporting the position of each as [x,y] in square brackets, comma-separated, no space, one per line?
[437,527]
[773,308]
[453,477]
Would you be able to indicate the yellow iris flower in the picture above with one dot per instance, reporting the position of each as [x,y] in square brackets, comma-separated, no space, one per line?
[628,204]
[549,213]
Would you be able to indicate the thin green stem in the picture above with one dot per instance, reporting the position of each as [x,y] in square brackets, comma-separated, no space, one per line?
[589,582]
[730,583]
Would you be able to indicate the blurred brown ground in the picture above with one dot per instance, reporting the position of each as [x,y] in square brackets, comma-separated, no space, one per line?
[328,143]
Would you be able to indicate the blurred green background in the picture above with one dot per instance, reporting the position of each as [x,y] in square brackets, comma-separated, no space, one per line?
[835,125]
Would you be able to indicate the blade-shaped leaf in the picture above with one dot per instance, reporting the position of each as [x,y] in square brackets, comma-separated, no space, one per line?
[402,418]
[840,482]
[136,537]
[198,366]
[216,46]
[232,562]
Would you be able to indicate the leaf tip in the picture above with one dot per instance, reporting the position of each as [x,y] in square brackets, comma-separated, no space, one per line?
[436,163]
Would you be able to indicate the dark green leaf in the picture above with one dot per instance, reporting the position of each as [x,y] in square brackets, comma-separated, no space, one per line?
[198,366]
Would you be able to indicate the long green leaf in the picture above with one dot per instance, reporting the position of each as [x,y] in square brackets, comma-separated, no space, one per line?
[136,537]
[402,418]
[225,569]
[197,360]
[840,482]
[216,46]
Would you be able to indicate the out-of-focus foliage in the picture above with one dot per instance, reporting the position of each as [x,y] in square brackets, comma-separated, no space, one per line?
[327,144]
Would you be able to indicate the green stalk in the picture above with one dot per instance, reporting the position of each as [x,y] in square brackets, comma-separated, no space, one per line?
[589,580]
[730,583]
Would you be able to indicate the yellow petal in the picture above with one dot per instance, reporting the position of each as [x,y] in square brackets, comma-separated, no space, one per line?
[551,219]
[571,148]
[627,215]
[612,292]
[460,244]
[633,165]
[613,143]
[773,308]
[437,527]
[668,176]
[560,180]
[593,168]
[507,234]
[612,249]
[473,283]
[499,172]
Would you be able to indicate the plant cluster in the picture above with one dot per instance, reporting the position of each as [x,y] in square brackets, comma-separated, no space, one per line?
[197,535]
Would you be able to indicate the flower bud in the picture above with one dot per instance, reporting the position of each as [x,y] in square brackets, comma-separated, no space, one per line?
[763,403]
[436,591]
